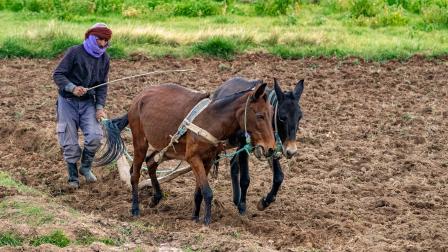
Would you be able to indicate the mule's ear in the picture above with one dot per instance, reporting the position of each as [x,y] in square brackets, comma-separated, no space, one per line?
[278,90]
[298,89]
[259,91]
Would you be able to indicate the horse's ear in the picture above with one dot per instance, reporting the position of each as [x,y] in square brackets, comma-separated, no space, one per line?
[298,89]
[259,91]
[278,90]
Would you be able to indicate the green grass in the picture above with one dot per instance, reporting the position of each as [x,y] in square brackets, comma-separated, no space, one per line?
[57,238]
[377,30]
[216,46]
[8,182]
[25,212]
[85,237]
[110,241]
[10,239]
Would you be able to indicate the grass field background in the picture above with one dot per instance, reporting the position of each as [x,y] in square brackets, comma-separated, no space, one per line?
[377,30]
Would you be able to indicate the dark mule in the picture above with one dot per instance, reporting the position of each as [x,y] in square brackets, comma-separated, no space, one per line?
[287,119]
[155,115]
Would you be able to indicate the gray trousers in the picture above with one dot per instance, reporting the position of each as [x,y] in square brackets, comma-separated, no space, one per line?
[73,114]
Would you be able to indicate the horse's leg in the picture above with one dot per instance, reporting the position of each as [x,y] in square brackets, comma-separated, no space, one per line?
[197,203]
[234,174]
[276,183]
[140,147]
[244,180]
[152,168]
[201,180]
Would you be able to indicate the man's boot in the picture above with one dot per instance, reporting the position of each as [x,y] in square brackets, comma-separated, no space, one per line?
[86,166]
[73,181]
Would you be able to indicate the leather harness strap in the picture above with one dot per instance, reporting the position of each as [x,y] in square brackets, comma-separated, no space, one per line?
[202,133]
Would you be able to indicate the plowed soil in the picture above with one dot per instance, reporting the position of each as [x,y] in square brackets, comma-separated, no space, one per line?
[370,175]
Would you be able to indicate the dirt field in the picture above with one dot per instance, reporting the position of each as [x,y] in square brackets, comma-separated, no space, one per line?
[370,175]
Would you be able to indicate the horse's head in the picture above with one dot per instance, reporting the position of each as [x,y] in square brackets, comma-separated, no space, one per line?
[288,116]
[256,117]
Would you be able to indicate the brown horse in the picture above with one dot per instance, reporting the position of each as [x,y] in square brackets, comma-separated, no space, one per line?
[156,114]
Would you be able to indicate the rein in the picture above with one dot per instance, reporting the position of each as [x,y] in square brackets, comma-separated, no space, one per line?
[278,142]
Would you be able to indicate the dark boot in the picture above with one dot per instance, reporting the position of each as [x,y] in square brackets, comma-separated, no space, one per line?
[73,181]
[86,166]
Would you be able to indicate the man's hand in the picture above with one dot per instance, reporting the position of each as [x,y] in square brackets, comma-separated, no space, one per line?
[100,114]
[79,91]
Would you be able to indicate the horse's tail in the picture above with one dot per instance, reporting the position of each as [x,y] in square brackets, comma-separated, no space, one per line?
[114,146]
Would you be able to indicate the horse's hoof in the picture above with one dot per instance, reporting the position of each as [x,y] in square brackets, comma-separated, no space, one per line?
[135,212]
[207,220]
[242,208]
[153,204]
[73,185]
[155,201]
[195,219]
[262,204]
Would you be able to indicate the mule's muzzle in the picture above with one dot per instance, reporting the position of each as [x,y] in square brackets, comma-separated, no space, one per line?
[258,151]
[261,153]
[289,149]
[290,153]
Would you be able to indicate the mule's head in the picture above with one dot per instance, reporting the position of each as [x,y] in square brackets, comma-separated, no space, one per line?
[288,116]
[258,113]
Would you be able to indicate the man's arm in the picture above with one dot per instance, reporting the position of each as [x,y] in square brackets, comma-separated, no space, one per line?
[61,71]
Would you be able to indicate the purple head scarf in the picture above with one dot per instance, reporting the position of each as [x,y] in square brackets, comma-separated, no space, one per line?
[92,48]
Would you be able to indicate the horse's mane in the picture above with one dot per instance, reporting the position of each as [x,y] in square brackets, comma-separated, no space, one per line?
[224,101]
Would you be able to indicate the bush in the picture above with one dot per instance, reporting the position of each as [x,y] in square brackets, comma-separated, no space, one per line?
[152,4]
[196,8]
[391,16]
[273,7]
[435,15]
[335,6]
[417,6]
[39,6]
[364,8]
[403,3]
[108,6]
[14,5]
[79,7]
[216,46]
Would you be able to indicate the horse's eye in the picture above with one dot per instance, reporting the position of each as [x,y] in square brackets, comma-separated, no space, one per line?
[282,118]
[260,116]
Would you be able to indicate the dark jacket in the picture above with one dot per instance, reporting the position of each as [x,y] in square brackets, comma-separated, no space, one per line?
[81,69]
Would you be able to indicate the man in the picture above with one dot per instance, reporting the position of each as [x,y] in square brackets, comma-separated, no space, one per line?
[83,66]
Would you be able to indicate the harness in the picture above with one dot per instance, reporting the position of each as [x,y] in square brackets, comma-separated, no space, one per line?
[187,124]
[273,100]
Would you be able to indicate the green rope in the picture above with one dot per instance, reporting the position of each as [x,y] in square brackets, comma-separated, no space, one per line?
[278,146]
[248,148]
[278,142]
